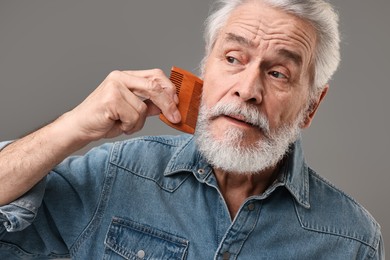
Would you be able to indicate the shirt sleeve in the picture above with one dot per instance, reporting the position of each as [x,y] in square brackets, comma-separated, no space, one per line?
[381,251]
[48,220]
[19,214]
[4,144]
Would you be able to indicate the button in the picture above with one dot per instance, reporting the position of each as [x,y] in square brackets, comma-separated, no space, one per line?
[251,206]
[141,254]
[226,255]
[201,171]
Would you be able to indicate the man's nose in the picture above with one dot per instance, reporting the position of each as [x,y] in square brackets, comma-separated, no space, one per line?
[249,88]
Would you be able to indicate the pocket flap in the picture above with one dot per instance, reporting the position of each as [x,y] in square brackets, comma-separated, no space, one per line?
[133,240]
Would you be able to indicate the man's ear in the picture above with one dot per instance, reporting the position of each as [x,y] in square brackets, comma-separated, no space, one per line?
[313,108]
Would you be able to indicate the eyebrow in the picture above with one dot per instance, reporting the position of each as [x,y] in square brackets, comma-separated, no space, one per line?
[231,37]
[288,54]
[291,55]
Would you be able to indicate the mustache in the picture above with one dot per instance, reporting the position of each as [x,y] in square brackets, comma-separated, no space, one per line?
[244,112]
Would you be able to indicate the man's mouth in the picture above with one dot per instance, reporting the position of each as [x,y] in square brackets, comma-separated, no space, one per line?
[240,119]
[241,116]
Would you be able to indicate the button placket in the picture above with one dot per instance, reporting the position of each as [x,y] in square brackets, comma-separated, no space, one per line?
[240,230]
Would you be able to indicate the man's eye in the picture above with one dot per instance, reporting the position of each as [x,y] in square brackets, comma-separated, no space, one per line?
[278,75]
[231,60]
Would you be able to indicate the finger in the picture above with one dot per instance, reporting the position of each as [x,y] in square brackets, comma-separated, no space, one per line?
[163,101]
[159,101]
[152,110]
[142,106]
[157,90]
[159,77]
[134,112]
[131,116]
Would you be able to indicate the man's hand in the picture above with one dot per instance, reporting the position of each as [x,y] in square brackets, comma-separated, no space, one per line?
[121,104]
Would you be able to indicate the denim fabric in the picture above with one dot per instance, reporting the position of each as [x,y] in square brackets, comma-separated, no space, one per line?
[157,198]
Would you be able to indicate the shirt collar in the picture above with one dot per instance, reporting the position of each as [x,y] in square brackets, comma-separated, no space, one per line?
[188,158]
[295,174]
[294,171]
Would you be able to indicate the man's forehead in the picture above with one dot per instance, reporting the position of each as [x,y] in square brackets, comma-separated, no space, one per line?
[248,43]
[231,37]
[251,25]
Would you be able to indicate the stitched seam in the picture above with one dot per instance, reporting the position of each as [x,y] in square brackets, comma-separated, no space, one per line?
[101,205]
[332,233]
[153,180]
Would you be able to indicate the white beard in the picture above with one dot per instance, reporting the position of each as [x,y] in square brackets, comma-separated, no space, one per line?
[229,154]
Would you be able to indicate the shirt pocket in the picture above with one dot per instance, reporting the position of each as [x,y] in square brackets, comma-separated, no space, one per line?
[127,239]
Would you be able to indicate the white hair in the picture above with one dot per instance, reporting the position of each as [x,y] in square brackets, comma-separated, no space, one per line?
[228,152]
[318,13]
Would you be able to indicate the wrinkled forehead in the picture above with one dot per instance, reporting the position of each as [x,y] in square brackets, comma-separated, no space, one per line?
[263,25]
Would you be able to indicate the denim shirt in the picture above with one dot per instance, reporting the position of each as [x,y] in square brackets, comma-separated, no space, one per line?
[157,198]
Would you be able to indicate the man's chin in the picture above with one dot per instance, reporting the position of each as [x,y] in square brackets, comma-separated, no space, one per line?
[238,138]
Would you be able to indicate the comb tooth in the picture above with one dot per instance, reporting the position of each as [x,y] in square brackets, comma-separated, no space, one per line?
[177,79]
[176,75]
[192,117]
[176,82]
[177,85]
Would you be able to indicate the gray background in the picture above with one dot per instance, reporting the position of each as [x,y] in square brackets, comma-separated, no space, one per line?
[53,53]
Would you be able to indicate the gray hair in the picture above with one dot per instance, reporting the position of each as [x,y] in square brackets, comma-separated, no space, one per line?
[318,12]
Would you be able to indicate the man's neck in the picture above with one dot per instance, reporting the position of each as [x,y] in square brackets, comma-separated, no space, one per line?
[237,187]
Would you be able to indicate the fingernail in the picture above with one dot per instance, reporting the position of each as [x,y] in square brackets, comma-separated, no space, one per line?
[176,117]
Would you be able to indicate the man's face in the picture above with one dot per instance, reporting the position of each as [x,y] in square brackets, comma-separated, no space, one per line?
[263,56]
[262,60]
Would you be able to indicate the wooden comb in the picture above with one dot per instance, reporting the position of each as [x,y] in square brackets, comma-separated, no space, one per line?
[189,90]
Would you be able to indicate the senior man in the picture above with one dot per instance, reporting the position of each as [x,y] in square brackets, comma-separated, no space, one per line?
[238,189]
